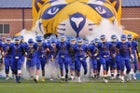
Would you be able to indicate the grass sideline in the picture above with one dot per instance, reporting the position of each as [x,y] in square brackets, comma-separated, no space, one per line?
[70,87]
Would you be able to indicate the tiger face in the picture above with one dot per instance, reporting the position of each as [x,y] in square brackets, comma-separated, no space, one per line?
[73,17]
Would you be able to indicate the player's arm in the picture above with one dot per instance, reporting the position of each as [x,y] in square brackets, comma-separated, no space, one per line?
[1,55]
[89,53]
[131,54]
[96,52]
[86,50]
[137,52]
[117,48]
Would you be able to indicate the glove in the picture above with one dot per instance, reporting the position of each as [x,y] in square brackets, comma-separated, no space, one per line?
[52,59]
[95,54]
[98,58]
[132,56]
[29,59]
[113,55]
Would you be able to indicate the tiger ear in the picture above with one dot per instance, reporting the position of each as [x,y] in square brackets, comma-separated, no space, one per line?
[117,4]
[36,6]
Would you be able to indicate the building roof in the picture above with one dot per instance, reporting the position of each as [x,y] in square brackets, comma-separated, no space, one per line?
[15,3]
[131,3]
[28,3]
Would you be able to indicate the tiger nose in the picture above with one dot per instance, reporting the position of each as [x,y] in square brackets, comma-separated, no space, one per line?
[77,22]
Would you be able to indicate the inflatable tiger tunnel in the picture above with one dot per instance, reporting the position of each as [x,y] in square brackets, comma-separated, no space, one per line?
[85,18]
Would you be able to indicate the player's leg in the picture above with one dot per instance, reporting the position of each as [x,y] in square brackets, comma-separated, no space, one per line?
[72,67]
[103,62]
[94,65]
[32,69]
[78,68]
[43,63]
[38,65]
[66,60]
[60,60]
[15,67]
[98,68]
[91,72]
[128,68]
[19,68]
[135,68]
[56,65]
[28,64]
[11,66]
[122,66]
[112,67]
[6,62]
[84,64]
[118,66]
[108,65]
[22,60]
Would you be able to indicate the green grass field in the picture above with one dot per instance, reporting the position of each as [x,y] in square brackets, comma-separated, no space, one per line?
[70,87]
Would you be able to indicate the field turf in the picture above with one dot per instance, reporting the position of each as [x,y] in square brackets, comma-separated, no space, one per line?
[70,87]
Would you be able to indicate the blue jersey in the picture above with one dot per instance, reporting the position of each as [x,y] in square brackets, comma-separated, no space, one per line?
[31,51]
[113,47]
[9,49]
[71,50]
[134,45]
[53,49]
[25,45]
[41,49]
[1,45]
[80,50]
[92,49]
[124,49]
[18,50]
[63,48]
[104,49]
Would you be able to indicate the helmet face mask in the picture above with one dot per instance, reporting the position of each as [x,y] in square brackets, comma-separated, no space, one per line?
[103,39]
[22,40]
[53,44]
[92,42]
[96,41]
[87,42]
[62,39]
[72,41]
[30,44]
[80,42]
[8,41]
[123,39]
[114,39]
[17,41]
[39,43]
[129,39]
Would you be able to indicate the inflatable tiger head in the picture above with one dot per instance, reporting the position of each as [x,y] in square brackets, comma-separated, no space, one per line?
[72,17]
[76,17]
